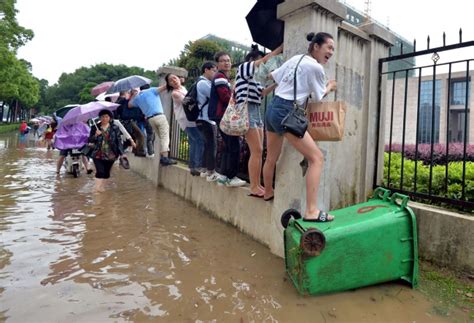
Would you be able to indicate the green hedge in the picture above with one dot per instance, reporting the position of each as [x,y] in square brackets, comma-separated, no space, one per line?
[9,127]
[455,170]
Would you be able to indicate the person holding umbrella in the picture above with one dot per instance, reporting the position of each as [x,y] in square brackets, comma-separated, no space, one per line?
[105,137]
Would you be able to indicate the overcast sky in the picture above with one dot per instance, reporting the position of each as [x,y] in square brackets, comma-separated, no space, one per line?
[70,34]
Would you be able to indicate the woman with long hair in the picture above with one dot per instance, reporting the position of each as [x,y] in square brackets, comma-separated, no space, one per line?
[248,89]
[310,77]
[195,139]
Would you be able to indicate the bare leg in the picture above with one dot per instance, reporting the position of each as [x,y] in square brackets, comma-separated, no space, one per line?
[308,148]
[274,143]
[254,139]
[99,184]
[59,164]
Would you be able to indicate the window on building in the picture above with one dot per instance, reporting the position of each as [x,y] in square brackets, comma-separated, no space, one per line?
[425,129]
[458,92]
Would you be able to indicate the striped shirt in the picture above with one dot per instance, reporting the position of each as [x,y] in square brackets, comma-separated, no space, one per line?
[245,83]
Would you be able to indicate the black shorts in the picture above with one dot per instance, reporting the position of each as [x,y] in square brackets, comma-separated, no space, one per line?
[103,167]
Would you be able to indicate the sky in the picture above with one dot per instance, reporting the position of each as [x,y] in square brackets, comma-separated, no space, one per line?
[70,34]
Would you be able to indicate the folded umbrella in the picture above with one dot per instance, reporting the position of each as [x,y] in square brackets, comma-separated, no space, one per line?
[87,111]
[101,88]
[128,83]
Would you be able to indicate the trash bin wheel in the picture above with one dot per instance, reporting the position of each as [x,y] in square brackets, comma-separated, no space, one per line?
[312,242]
[287,215]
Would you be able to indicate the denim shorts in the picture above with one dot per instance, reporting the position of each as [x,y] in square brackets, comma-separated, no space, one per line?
[276,111]
[255,119]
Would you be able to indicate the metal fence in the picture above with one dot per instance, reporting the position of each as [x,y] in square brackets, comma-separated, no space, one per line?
[179,147]
[428,151]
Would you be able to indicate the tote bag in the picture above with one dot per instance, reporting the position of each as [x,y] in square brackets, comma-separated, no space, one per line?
[326,120]
[235,121]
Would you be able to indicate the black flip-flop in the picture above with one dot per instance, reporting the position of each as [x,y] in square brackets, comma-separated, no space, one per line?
[322,217]
[268,198]
[255,195]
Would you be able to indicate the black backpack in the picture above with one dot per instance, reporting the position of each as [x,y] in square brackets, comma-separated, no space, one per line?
[190,102]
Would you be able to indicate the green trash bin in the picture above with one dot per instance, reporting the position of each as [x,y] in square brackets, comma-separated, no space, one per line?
[366,244]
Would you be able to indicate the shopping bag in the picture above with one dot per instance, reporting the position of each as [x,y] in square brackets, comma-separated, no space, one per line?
[326,120]
[235,121]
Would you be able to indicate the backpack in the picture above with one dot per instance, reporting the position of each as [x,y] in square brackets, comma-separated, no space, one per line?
[190,103]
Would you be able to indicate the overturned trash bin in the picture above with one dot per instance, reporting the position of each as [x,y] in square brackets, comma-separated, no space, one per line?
[366,244]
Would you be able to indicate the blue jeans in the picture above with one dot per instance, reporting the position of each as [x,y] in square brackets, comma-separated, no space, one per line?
[196,147]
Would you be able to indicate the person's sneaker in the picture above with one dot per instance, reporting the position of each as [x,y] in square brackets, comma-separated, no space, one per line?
[204,174]
[150,156]
[194,172]
[213,177]
[235,182]
[123,161]
[222,180]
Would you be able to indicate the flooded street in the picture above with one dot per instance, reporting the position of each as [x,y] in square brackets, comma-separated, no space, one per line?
[138,253]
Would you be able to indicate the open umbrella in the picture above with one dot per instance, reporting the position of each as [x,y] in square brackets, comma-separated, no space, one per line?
[101,88]
[128,83]
[87,111]
[264,26]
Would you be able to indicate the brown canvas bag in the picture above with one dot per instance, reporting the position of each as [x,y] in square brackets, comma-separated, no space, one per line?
[326,120]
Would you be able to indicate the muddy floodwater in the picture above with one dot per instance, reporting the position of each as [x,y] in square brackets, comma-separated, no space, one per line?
[139,253]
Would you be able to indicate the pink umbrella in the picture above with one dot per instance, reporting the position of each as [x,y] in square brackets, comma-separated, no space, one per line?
[101,88]
[87,111]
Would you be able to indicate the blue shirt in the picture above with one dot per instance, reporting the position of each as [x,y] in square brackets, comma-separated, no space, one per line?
[148,101]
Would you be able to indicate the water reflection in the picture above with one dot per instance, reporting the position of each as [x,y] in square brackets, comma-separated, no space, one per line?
[139,253]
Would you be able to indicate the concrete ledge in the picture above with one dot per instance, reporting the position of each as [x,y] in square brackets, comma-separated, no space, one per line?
[335,8]
[251,215]
[376,31]
[445,238]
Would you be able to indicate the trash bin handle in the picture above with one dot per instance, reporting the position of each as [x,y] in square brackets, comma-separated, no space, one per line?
[382,193]
[396,197]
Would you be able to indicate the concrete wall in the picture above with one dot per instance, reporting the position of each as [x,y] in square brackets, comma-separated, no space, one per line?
[349,165]
[445,238]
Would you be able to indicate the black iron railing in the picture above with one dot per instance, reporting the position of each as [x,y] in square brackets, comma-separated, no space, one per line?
[423,158]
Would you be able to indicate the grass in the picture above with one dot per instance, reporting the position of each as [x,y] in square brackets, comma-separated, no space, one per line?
[8,127]
[448,290]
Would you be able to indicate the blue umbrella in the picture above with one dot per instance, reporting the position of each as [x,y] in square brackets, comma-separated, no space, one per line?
[128,83]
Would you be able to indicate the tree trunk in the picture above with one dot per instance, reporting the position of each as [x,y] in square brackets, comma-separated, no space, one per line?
[1,111]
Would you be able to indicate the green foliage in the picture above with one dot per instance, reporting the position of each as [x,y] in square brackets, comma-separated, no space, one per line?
[454,179]
[12,35]
[9,127]
[75,87]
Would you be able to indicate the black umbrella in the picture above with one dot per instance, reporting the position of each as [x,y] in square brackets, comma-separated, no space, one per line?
[61,112]
[264,26]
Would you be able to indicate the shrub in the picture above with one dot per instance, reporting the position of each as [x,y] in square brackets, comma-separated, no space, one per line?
[455,152]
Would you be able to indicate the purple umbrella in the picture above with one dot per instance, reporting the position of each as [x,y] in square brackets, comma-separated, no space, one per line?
[71,136]
[87,111]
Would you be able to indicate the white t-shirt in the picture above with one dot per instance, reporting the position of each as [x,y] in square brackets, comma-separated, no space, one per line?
[310,78]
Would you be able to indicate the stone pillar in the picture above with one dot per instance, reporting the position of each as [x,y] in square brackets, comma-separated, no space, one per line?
[348,166]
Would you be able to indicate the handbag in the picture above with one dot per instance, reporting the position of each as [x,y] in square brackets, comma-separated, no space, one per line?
[326,120]
[295,121]
[235,121]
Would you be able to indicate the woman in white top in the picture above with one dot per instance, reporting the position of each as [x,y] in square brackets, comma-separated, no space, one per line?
[310,79]
[196,142]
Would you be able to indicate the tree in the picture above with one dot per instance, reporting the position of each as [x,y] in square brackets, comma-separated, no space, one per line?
[75,87]
[11,33]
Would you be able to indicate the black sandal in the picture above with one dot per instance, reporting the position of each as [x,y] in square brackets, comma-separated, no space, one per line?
[322,217]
